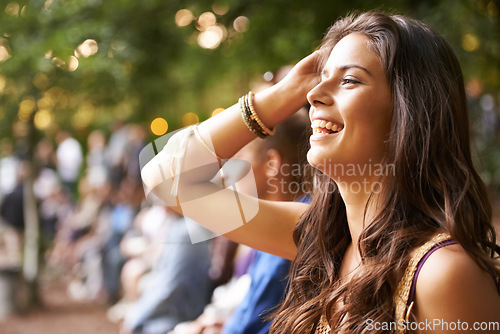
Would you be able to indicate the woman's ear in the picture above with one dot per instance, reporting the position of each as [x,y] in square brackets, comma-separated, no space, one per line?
[273,163]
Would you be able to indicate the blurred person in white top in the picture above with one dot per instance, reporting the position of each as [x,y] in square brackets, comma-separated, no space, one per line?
[69,159]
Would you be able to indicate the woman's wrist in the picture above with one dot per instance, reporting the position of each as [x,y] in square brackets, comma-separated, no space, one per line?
[277,103]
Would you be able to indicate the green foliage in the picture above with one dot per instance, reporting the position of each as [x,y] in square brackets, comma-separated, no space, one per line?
[146,66]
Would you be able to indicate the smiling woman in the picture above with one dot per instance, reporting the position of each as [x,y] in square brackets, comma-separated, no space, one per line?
[354,95]
[386,91]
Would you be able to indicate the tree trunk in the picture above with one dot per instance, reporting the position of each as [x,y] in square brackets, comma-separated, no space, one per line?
[31,238]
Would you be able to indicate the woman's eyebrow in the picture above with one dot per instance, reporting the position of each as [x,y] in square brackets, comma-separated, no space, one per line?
[343,68]
[346,67]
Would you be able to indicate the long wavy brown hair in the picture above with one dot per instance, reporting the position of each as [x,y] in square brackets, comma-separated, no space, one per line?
[435,187]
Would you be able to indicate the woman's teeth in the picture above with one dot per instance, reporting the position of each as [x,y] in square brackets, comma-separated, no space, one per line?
[322,126]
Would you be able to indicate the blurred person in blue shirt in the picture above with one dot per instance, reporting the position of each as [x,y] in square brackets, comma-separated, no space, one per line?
[281,174]
[279,170]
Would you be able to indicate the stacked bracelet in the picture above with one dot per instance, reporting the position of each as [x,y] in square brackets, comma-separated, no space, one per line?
[251,119]
[265,129]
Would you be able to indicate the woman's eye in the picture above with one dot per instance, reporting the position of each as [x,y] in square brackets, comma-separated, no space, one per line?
[349,81]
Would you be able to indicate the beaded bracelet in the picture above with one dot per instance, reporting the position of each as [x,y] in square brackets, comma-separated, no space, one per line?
[250,122]
[264,128]
[250,117]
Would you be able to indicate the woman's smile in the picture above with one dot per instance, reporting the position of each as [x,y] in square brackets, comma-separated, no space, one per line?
[323,128]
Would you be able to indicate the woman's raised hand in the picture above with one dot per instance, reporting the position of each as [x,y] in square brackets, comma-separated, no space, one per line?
[290,94]
[303,77]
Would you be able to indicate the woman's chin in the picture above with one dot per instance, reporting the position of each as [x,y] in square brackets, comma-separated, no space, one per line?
[319,158]
[313,159]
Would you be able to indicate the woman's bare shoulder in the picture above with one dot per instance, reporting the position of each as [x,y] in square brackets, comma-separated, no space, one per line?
[452,287]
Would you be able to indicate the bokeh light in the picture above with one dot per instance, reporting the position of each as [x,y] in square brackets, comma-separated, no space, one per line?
[46,102]
[59,62]
[268,76]
[206,20]
[190,119]
[241,24]
[3,83]
[211,38]
[184,17]
[217,111]
[12,8]
[470,42]
[43,119]
[118,45]
[159,126]
[26,107]
[83,116]
[41,80]
[72,63]
[220,9]
[88,48]
[56,94]
[4,53]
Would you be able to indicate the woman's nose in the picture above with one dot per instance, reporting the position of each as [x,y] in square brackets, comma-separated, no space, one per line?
[318,96]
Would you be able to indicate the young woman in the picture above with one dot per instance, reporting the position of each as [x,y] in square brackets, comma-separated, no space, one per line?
[397,195]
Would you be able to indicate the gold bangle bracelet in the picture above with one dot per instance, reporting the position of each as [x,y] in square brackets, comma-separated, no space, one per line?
[264,128]
[249,119]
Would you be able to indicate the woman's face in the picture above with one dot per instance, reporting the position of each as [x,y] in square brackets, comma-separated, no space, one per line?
[350,111]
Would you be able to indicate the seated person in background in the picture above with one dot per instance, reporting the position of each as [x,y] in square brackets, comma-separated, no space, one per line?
[278,167]
[179,286]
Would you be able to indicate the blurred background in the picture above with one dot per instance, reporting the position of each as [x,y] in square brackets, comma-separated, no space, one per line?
[85,84]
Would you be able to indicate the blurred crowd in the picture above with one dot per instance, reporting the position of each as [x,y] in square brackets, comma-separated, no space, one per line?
[100,236]
[86,201]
